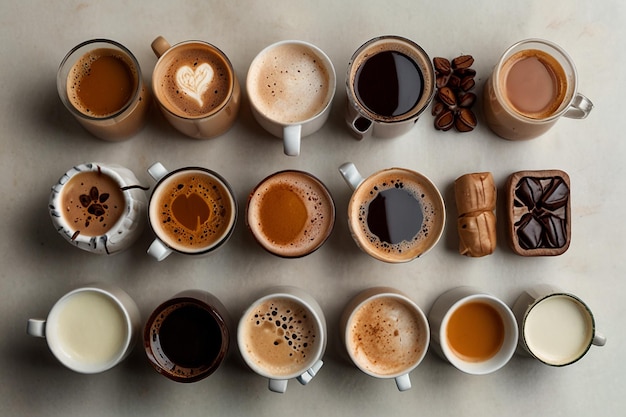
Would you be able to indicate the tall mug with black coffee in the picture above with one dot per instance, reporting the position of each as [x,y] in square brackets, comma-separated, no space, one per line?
[532,86]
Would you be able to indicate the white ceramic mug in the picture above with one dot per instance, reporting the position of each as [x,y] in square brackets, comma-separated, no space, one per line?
[291,85]
[385,334]
[474,331]
[81,226]
[282,335]
[90,329]
[555,327]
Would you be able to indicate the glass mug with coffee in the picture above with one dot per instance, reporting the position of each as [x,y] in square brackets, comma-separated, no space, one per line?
[385,334]
[90,329]
[100,83]
[282,335]
[195,87]
[390,82]
[474,331]
[186,338]
[290,213]
[532,86]
[192,210]
[291,85]
[100,208]
[395,215]
[555,327]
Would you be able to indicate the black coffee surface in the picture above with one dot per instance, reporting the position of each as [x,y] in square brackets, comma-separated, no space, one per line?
[395,216]
[389,83]
[190,337]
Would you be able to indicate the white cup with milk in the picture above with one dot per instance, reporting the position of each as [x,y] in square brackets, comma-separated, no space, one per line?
[556,327]
[90,329]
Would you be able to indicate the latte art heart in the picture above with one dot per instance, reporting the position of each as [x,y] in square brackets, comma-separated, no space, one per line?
[194,83]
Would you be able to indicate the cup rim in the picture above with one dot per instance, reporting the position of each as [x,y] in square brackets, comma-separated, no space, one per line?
[62,81]
[578,301]
[329,68]
[214,111]
[232,223]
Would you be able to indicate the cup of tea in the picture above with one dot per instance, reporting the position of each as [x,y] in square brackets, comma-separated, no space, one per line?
[290,213]
[291,85]
[532,86]
[195,87]
[192,211]
[100,208]
[385,334]
[555,327]
[395,215]
[390,82]
[282,335]
[90,329]
[187,337]
[99,81]
[474,331]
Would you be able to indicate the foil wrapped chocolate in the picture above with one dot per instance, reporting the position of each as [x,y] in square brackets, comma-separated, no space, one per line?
[538,209]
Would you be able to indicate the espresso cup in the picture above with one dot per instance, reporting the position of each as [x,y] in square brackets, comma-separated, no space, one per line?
[282,335]
[192,210]
[395,215]
[195,87]
[186,338]
[555,327]
[290,213]
[90,329]
[100,83]
[100,208]
[385,334]
[291,85]
[474,331]
[533,84]
[390,82]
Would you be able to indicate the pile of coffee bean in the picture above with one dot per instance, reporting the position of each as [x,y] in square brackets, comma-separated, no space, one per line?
[454,100]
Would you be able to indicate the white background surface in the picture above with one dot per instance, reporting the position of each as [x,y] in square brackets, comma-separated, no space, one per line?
[39,141]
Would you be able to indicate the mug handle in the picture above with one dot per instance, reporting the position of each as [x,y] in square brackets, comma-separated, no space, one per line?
[306,377]
[291,139]
[158,250]
[403,382]
[351,175]
[36,327]
[580,108]
[157,171]
[159,46]
[278,385]
[599,339]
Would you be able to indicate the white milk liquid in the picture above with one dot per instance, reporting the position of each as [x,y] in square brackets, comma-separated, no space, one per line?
[558,330]
[91,328]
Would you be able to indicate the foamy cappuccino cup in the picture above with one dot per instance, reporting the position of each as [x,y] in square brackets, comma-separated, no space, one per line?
[291,85]
[282,336]
[555,327]
[90,329]
[385,334]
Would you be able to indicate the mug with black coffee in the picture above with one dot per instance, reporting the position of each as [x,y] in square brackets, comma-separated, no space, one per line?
[390,82]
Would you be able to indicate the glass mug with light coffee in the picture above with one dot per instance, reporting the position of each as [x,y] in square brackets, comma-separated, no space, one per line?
[195,87]
[90,329]
[385,334]
[192,211]
[282,335]
[290,213]
[555,327]
[395,215]
[532,86]
[390,82]
[100,83]
[291,85]
[474,331]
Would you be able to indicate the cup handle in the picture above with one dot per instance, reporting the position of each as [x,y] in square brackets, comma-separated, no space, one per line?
[157,171]
[306,377]
[36,327]
[158,250]
[351,175]
[361,127]
[159,46]
[291,139]
[599,339]
[278,385]
[580,108]
[403,382]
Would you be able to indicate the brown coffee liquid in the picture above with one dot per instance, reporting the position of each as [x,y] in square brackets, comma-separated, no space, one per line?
[101,83]
[92,202]
[282,214]
[389,84]
[475,331]
[395,215]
